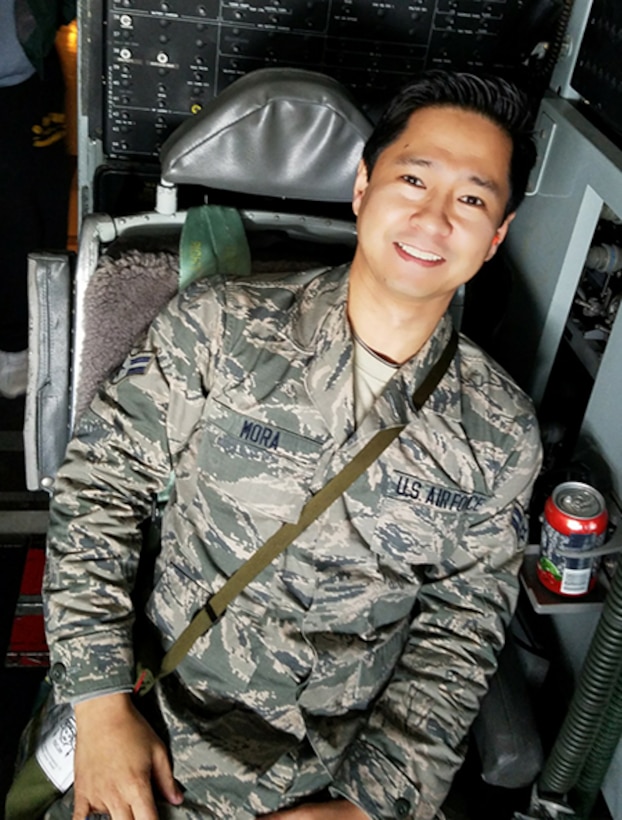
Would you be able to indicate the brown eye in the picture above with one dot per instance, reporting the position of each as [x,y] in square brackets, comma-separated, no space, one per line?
[413,180]
[472,200]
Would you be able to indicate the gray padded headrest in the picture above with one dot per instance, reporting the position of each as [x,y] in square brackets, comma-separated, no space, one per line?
[279,132]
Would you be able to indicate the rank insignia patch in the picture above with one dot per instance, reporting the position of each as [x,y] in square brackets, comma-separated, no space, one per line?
[136,364]
[520,524]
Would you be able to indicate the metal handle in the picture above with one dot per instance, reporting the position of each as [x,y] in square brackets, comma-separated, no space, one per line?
[606,549]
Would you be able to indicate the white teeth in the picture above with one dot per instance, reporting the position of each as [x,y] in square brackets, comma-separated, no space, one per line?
[417,254]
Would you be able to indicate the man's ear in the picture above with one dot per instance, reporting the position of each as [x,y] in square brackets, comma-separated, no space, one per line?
[499,236]
[360,186]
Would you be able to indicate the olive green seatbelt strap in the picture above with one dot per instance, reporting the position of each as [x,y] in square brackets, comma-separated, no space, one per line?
[216,605]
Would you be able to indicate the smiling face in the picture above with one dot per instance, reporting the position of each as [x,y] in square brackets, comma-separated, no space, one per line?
[432,210]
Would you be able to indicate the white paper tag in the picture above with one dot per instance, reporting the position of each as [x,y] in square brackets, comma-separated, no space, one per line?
[56,747]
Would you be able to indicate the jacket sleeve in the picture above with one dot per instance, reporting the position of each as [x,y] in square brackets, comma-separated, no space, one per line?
[401,765]
[122,455]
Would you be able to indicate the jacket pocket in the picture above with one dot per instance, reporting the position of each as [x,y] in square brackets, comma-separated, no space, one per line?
[240,663]
[415,536]
[260,465]
[225,651]
[422,523]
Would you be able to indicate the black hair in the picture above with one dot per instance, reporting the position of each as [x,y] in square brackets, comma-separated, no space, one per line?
[493,97]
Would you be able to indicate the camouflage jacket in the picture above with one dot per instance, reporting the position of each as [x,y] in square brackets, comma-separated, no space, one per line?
[371,638]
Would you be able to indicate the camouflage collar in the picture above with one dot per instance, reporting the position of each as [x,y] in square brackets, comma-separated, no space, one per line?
[321,318]
[321,327]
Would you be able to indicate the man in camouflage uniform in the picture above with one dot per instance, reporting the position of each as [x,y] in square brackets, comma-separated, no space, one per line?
[343,680]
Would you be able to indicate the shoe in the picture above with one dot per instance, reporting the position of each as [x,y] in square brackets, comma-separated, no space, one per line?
[13,373]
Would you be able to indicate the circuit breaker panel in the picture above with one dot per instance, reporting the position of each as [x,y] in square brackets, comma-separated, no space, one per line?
[598,74]
[152,63]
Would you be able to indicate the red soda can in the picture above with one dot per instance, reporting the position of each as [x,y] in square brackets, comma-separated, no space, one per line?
[575,521]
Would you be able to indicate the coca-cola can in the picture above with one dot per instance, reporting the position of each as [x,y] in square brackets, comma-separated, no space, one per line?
[575,521]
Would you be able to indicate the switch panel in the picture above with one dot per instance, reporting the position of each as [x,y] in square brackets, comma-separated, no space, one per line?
[163,60]
[597,75]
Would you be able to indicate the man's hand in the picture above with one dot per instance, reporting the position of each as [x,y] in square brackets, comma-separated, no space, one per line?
[118,757]
[332,810]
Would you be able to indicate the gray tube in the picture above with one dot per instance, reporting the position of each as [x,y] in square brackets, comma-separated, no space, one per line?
[590,700]
[600,755]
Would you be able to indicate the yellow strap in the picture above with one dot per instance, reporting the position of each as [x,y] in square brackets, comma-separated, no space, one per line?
[282,538]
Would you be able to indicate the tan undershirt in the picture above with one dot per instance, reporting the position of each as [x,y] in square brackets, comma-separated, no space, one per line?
[371,375]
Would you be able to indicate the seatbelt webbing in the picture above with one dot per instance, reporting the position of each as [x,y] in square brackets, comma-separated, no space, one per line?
[436,372]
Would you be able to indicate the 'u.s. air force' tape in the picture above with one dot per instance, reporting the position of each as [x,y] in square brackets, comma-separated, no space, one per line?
[56,746]
[136,364]
[412,489]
